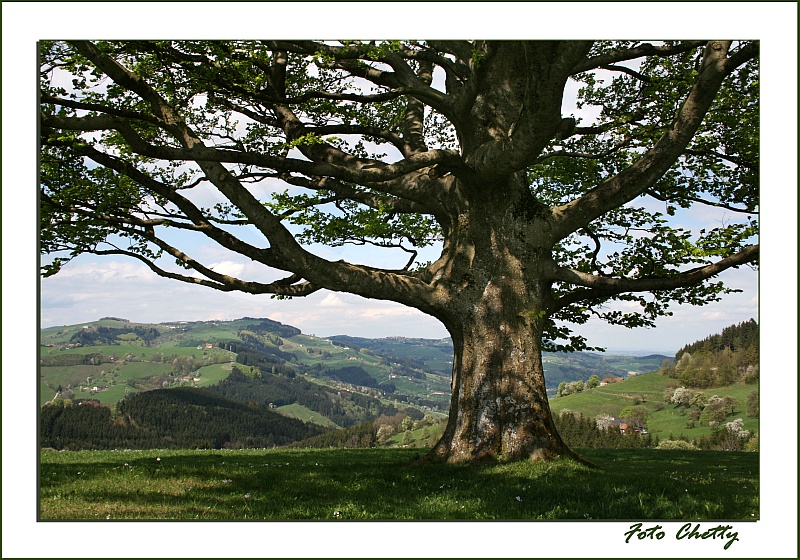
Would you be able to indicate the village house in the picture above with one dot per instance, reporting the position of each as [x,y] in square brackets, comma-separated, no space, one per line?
[628,427]
[609,380]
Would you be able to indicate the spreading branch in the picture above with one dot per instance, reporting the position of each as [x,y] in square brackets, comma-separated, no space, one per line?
[641,175]
[600,286]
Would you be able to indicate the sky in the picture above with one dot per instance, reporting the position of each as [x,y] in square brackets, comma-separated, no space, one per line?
[91,287]
[87,290]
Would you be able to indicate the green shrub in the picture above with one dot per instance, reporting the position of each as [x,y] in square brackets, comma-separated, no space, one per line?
[676,444]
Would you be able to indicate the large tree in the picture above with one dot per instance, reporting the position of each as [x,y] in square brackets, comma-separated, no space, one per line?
[543,219]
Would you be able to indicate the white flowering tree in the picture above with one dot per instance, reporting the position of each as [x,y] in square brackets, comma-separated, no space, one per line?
[734,436]
[682,397]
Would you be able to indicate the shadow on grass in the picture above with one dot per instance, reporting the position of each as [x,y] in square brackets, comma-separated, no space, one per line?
[374,484]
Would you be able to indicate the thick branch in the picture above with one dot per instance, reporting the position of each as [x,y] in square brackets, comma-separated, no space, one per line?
[545,67]
[605,286]
[218,281]
[639,177]
[646,49]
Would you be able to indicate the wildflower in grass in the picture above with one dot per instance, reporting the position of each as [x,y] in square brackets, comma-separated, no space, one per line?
[337,514]
[247,496]
[518,498]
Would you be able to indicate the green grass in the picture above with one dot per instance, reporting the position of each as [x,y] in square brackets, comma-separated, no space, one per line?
[210,375]
[108,397]
[306,415]
[374,484]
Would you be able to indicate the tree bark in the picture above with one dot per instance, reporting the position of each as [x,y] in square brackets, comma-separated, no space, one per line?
[499,406]
[494,304]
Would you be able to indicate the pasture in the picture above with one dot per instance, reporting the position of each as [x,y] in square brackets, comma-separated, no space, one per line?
[388,484]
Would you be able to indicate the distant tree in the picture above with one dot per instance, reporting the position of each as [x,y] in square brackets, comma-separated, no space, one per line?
[752,404]
[635,415]
[752,443]
[385,433]
[698,400]
[593,381]
[731,403]
[714,412]
[734,436]
[604,421]
[682,396]
[676,444]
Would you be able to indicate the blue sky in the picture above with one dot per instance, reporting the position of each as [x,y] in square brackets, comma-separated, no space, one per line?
[65,299]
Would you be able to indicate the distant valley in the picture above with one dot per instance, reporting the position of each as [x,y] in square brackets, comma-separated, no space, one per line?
[255,382]
[109,359]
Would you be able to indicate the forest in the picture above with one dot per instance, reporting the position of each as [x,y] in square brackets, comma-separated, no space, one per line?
[237,412]
[100,335]
[184,418]
[719,360]
[344,408]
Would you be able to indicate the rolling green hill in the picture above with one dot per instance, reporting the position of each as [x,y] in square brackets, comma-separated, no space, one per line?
[112,358]
[183,417]
[338,381]
[647,391]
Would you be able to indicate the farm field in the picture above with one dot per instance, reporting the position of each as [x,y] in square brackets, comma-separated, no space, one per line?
[375,484]
[305,414]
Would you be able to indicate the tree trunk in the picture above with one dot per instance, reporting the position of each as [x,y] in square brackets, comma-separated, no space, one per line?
[495,312]
[499,406]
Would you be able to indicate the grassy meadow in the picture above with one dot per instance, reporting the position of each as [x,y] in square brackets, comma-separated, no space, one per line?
[647,391]
[384,484]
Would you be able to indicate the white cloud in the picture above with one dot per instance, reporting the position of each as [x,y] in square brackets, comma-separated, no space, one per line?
[228,268]
[106,272]
[332,300]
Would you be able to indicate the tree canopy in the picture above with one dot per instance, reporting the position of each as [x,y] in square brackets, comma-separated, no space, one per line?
[543,218]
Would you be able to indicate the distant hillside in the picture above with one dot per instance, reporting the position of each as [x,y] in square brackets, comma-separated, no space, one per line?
[719,360]
[437,356]
[650,393]
[255,368]
[344,408]
[113,358]
[411,353]
[110,359]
